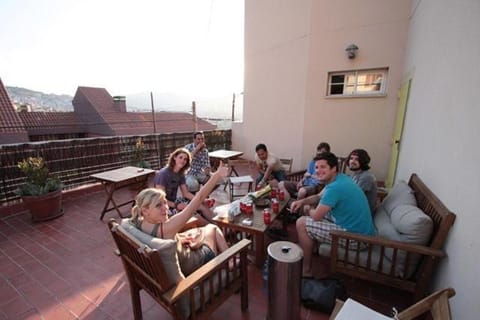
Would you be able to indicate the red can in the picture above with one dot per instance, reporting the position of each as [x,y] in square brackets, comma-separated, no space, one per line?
[275,206]
[281,195]
[266,216]
[210,202]
[273,194]
[249,208]
[243,206]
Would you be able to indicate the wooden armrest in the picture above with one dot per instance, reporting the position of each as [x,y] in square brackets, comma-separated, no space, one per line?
[375,240]
[426,304]
[296,175]
[336,309]
[205,271]
[193,222]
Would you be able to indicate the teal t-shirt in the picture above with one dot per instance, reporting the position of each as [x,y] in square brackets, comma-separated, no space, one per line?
[348,205]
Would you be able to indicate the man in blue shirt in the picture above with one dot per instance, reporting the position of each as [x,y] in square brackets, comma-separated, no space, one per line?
[342,205]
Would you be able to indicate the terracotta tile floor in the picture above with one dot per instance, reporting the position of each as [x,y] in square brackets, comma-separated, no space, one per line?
[66,269]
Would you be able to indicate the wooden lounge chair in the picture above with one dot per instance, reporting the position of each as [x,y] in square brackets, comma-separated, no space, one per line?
[437,304]
[193,297]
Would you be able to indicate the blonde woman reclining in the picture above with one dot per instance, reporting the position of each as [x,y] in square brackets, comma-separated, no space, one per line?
[196,246]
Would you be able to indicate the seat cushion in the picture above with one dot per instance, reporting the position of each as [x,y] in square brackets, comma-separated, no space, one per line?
[386,265]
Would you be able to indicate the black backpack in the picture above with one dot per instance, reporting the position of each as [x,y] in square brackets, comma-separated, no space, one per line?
[321,294]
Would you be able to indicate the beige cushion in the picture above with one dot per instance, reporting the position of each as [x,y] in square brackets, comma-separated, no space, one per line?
[413,225]
[324,250]
[398,218]
[400,194]
[405,223]
[166,247]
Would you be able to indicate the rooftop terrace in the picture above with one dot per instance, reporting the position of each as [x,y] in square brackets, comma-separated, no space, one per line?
[65,269]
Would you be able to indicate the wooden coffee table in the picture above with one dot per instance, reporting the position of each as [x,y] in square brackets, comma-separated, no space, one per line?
[257,230]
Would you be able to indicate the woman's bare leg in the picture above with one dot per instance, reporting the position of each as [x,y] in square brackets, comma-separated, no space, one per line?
[210,238]
[222,244]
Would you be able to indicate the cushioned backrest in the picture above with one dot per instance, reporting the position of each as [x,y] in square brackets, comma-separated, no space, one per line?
[401,193]
[412,223]
[167,249]
[405,223]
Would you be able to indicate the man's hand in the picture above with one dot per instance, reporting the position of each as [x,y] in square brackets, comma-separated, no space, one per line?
[260,185]
[200,146]
[296,205]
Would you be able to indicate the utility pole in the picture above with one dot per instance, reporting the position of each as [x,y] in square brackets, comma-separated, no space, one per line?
[194,113]
[233,107]
[155,129]
[153,113]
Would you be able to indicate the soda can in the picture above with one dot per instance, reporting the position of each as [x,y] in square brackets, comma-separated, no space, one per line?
[275,206]
[281,195]
[210,202]
[249,207]
[243,206]
[266,216]
[273,194]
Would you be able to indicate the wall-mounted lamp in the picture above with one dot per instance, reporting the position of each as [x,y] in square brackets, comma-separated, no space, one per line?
[351,51]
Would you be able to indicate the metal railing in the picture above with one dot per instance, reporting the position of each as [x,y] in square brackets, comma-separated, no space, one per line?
[74,160]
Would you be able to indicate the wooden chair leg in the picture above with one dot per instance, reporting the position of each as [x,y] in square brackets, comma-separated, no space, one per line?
[136,303]
[244,290]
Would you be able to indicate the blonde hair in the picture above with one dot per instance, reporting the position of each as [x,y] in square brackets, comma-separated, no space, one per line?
[149,197]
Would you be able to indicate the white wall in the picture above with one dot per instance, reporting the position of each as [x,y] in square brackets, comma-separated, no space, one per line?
[290,46]
[276,48]
[379,29]
[441,132]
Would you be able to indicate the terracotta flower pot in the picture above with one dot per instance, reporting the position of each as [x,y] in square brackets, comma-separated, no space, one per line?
[44,207]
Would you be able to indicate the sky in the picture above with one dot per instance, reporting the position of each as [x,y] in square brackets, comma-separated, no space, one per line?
[176,46]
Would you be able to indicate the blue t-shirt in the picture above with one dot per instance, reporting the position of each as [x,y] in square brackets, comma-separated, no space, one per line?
[170,181]
[348,205]
[311,180]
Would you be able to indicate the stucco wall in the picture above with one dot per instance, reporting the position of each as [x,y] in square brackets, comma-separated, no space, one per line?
[276,48]
[379,29]
[290,46]
[441,132]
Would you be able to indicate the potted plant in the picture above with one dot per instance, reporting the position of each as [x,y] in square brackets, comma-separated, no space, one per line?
[41,194]
[138,158]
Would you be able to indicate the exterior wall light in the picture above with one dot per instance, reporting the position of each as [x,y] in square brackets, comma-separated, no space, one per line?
[351,51]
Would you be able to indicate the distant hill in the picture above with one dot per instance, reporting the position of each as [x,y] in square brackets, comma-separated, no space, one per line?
[217,109]
[39,101]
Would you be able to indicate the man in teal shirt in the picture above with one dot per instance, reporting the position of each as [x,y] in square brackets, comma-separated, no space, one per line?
[342,205]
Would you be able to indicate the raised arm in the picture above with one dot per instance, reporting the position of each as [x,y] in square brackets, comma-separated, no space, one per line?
[176,222]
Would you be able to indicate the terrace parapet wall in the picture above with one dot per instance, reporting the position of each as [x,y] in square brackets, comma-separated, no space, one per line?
[74,160]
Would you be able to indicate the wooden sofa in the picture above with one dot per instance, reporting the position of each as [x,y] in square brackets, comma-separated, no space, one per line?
[151,264]
[394,263]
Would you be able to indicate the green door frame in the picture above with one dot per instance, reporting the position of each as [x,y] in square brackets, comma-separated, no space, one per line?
[397,134]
